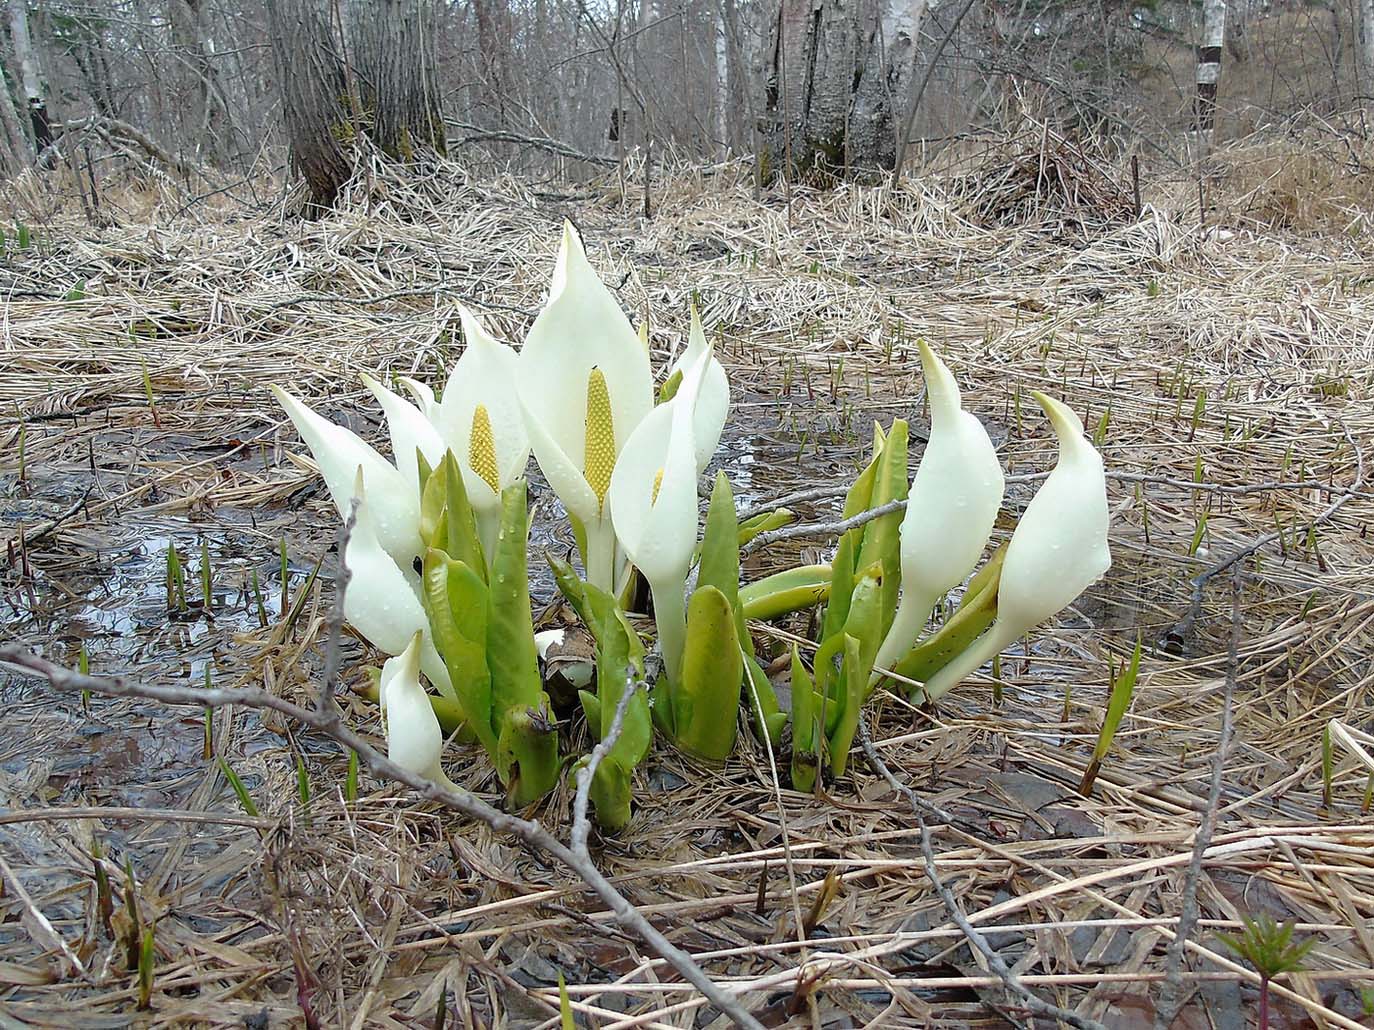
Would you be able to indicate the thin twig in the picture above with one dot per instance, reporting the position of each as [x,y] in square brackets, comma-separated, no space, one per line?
[586,771]
[821,529]
[331,725]
[976,940]
[1182,629]
[1169,1000]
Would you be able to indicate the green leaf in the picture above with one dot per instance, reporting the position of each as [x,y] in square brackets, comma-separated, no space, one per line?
[511,654]
[245,800]
[764,522]
[720,543]
[1123,686]
[854,673]
[457,603]
[841,591]
[611,792]
[881,537]
[526,755]
[785,592]
[769,718]
[705,703]
[669,389]
[976,613]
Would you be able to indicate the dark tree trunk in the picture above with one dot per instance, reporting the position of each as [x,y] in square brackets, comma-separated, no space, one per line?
[839,80]
[376,87]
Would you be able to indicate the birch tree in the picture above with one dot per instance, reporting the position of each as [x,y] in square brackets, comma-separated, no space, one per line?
[838,67]
[1366,57]
[30,79]
[1209,64]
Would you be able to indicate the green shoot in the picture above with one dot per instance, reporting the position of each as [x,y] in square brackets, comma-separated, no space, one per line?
[1328,767]
[302,782]
[1100,433]
[206,575]
[83,666]
[1199,407]
[997,681]
[565,1012]
[131,941]
[1068,697]
[1118,700]
[257,596]
[148,392]
[176,580]
[147,957]
[245,801]
[1368,798]
[285,582]
[351,780]
[1269,947]
[104,896]
[1198,534]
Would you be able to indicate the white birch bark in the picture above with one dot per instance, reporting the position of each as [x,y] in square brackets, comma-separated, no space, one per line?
[1366,57]
[29,77]
[1209,63]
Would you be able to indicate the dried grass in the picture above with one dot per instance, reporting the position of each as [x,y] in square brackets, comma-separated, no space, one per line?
[388,905]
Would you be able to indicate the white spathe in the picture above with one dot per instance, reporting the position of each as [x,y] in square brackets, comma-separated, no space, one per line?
[339,453]
[414,740]
[581,331]
[1058,550]
[950,509]
[381,602]
[410,431]
[484,376]
[424,397]
[713,402]
[653,506]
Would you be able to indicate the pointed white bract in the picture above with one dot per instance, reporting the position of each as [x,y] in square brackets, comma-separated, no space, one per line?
[424,397]
[410,431]
[381,602]
[480,418]
[1058,550]
[713,402]
[339,453]
[585,384]
[414,740]
[950,511]
[653,506]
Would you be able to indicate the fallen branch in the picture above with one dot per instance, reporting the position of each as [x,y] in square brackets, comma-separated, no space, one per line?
[1169,1000]
[1032,1002]
[330,724]
[475,134]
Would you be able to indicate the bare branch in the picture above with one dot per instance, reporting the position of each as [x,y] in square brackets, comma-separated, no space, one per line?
[1169,1000]
[976,940]
[331,725]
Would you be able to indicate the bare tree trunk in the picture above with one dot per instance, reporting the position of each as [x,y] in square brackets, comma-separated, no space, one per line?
[17,153]
[848,67]
[210,121]
[388,98]
[30,78]
[1366,58]
[1209,64]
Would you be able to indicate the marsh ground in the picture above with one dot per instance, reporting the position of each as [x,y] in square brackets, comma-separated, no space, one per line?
[1228,368]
